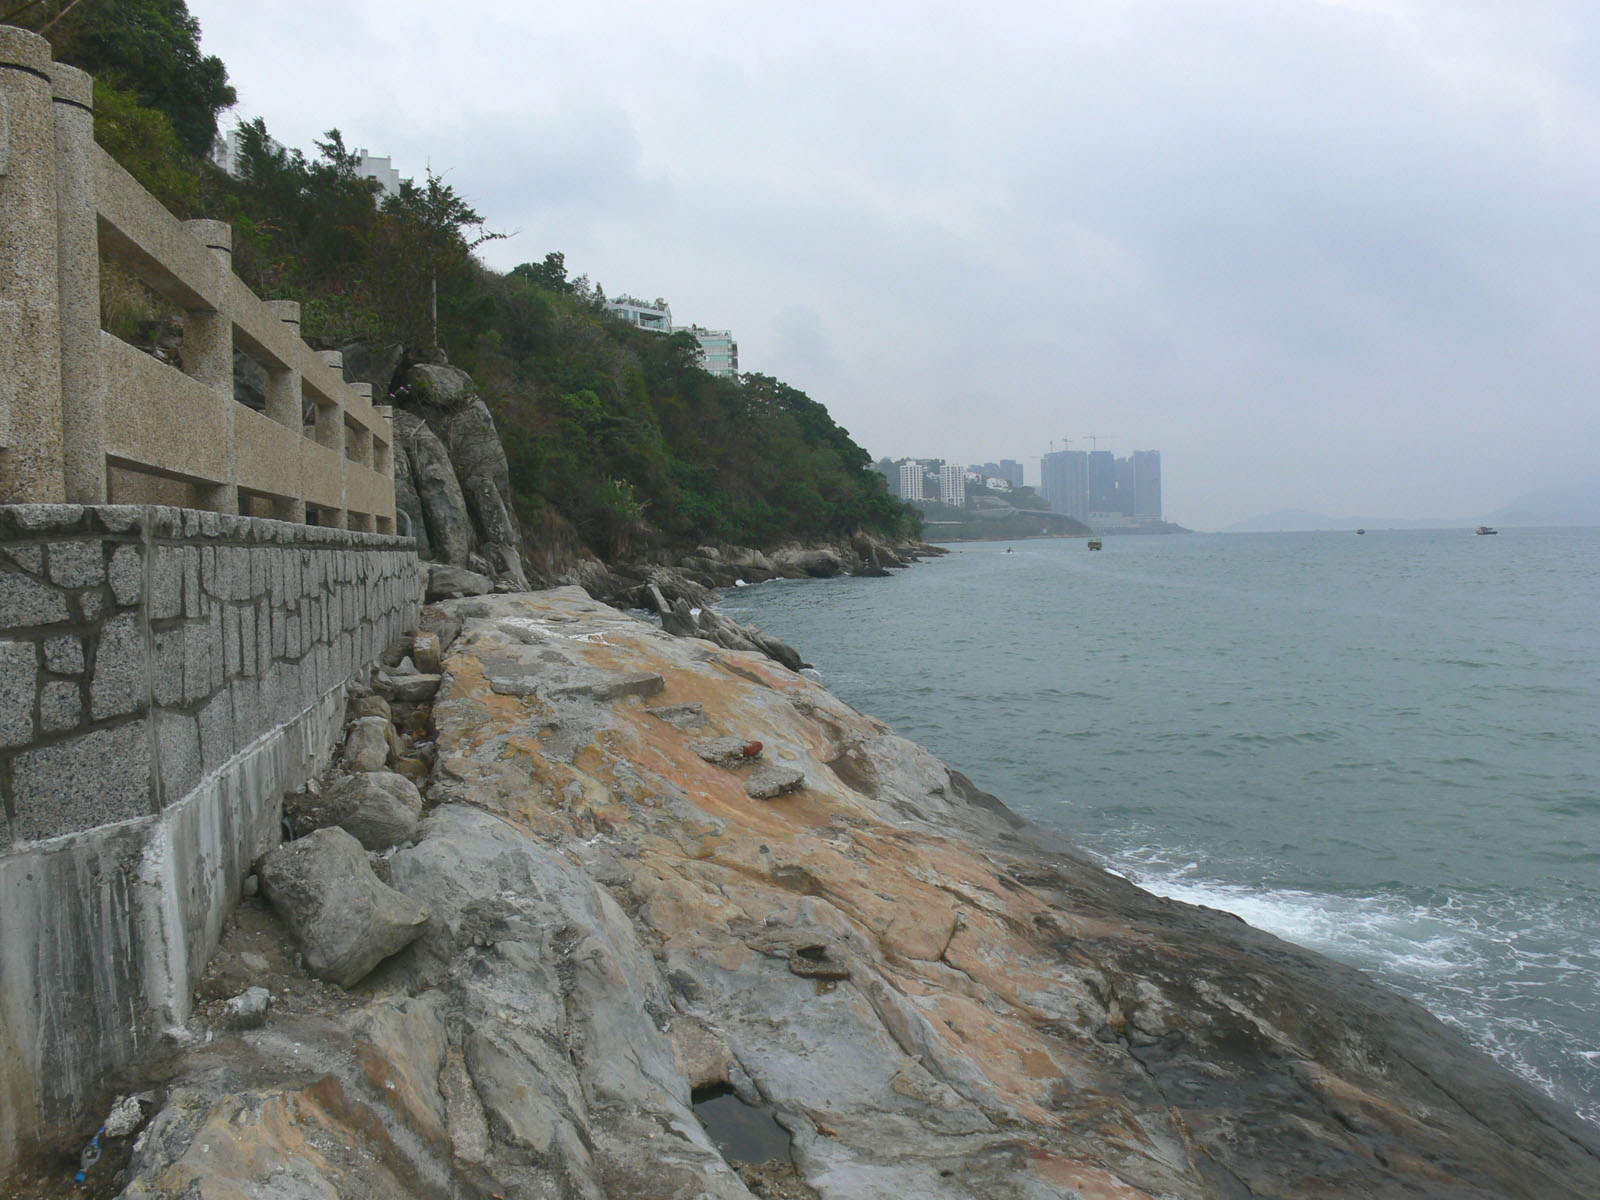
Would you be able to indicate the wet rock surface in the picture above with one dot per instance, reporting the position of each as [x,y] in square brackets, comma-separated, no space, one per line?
[926,998]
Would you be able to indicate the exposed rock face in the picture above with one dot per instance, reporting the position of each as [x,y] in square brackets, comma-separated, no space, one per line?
[680,620]
[407,501]
[451,583]
[932,1000]
[249,382]
[445,400]
[443,507]
[819,562]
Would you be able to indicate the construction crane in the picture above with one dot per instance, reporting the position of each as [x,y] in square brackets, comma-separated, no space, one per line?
[1097,438]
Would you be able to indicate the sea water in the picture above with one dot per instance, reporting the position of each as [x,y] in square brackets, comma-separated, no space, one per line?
[1383,747]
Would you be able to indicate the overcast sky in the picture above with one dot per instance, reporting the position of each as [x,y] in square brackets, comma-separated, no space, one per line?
[1332,254]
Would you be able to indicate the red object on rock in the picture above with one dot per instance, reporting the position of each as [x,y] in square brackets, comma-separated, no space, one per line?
[751,749]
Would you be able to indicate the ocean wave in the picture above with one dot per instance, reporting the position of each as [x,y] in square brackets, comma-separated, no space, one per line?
[1513,971]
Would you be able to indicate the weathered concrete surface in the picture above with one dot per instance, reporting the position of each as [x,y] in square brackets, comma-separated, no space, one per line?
[104,933]
[932,1002]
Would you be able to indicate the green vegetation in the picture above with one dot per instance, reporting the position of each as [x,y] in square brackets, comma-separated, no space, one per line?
[948,524]
[609,430]
[150,48]
[621,432]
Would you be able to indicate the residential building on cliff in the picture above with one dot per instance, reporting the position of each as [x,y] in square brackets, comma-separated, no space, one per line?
[656,315]
[719,353]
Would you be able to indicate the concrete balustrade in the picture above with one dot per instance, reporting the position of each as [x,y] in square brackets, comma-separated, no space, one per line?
[165,674]
[86,419]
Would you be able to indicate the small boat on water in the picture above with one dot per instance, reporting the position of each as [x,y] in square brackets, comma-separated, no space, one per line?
[1094,543]
[1483,529]
[1361,531]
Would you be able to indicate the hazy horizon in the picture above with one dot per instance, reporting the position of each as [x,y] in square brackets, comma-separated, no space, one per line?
[1336,255]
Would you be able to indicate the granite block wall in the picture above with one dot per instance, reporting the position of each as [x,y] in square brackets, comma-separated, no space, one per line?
[142,647]
[166,675]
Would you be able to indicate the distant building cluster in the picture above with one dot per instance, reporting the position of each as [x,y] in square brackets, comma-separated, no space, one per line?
[719,353]
[1097,486]
[1092,486]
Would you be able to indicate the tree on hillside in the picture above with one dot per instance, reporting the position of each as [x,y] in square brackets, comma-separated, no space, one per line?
[148,47]
[431,232]
[551,274]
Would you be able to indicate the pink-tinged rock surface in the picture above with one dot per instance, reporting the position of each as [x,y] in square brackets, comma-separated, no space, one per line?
[932,999]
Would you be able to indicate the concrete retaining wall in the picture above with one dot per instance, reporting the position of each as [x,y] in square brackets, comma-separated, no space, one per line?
[165,676]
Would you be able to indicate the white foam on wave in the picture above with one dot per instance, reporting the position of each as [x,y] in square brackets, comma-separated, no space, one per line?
[1463,961]
[1374,933]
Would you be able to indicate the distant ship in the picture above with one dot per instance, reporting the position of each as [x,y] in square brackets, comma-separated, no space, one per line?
[1482,529]
[1361,531]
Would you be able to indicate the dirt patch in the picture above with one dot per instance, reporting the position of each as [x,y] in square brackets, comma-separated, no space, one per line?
[256,951]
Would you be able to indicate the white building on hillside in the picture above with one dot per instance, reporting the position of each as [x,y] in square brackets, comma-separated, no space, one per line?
[719,353]
[911,480]
[225,153]
[655,316]
[380,170]
[952,483]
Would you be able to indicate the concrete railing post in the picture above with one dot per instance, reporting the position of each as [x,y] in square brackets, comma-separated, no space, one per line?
[208,359]
[31,469]
[331,433]
[83,400]
[359,440]
[361,437]
[284,403]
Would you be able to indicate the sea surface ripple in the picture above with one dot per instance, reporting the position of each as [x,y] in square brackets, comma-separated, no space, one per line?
[1382,747]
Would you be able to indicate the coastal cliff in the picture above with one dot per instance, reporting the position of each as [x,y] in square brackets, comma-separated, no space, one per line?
[654,870]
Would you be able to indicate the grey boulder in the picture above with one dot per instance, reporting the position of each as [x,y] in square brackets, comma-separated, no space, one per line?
[451,583]
[378,808]
[343,918]
[770,782]
[366,747]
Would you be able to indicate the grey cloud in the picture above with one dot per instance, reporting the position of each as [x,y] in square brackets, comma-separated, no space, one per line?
[1355,236]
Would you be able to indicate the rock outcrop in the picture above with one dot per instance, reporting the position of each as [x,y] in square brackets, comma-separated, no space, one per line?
[451,476]
[448,404]
[927,998]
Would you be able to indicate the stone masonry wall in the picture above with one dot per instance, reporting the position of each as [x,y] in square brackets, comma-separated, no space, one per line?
[166,675]
[141,647]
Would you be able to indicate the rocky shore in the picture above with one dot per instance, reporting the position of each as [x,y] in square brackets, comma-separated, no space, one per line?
[666,919]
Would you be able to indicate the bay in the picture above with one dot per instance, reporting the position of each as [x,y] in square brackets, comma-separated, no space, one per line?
[1382,747]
